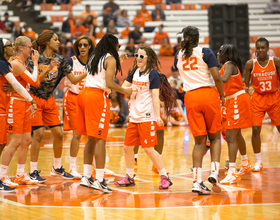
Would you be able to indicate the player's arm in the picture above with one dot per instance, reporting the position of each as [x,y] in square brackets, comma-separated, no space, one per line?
[156,102]
[110,66]
[53,63]
[76,79]
[229,70]
[214,71]
[277,65]
[248,69]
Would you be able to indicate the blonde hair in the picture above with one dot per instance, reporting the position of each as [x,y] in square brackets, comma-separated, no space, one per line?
[19,42]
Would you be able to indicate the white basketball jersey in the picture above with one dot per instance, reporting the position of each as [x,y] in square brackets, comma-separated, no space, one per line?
[194,71]
[98,80]
[78,69]
[141,102]
[115,109]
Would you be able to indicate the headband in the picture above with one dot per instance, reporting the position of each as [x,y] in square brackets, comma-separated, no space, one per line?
[4,41]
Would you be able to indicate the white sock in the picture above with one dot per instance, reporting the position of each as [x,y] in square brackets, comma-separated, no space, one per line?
[244,160]
[258,156]
[3,170]
[244,157]
[162,172]
[33,166]
[73,162]
[57,162]
[197,174]
[215,166]
[20,168]
[87,170]
[232,167]
[135,156]
[130,172]
[100,174]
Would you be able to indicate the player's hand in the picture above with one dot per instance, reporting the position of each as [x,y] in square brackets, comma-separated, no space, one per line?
[35,56]
[129,90]
[32,108]
[159,122]
[53,63]
[223,100]
[8,88]
[123,57]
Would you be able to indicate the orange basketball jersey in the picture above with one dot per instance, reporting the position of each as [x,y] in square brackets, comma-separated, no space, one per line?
[265,79]
[234,84]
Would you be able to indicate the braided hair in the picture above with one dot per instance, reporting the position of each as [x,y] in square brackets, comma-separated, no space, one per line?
[152,61]
[166,94]
[233,55]
[42,40]
[191,36]
[107,44]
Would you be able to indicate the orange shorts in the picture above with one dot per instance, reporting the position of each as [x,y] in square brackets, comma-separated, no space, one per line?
[70,110]
[18,120]
[93,115]
[47,112]
[238,114]
[3,130]
[203,111]
[260,104]
[143,134]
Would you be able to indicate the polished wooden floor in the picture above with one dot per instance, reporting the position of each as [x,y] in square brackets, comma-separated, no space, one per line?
[256,196]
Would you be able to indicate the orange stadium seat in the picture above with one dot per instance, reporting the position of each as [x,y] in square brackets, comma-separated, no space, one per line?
[163,7]
[66,7]
[74,2]
[253,39]
[189,6]
[205,6]
[175,7]
[46,7]
[57,18]
[206,40]
[17,23]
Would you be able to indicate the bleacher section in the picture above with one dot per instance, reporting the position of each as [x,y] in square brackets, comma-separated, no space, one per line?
[192,12]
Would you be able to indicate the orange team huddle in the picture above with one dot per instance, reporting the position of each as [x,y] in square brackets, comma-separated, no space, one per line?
[90,78]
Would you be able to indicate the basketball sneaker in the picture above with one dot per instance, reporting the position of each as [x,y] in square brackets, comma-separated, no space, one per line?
[61,172]
[191,168]
[86,181]
[24,179]
[246,168]
[200,188]
[125,181]
[165,182]
[258,166]
[214,180]
[73,171]
[6,189]
[231,177]
[106,172]
[35,176]
[6,181]
[101,186]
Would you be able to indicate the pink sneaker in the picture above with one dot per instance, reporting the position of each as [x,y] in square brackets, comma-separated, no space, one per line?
[165,182]
[125,181]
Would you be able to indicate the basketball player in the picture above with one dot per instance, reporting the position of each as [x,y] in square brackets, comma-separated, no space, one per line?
[94,107]
[47,114]
[202,103]
[238,113]
[145,114]
[263,71]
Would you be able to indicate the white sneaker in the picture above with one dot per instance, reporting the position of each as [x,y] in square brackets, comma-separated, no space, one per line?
[258,166]
[101,186]
[214,180]
[24,179]
[108,172]
[86,181]
[231,177]
[6,181]
[73,171]
[200,188]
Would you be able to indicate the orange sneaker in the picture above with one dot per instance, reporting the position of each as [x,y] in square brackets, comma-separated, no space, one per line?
[258,166]
[246,168]
[24,179]
[6,180]
[231,177]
